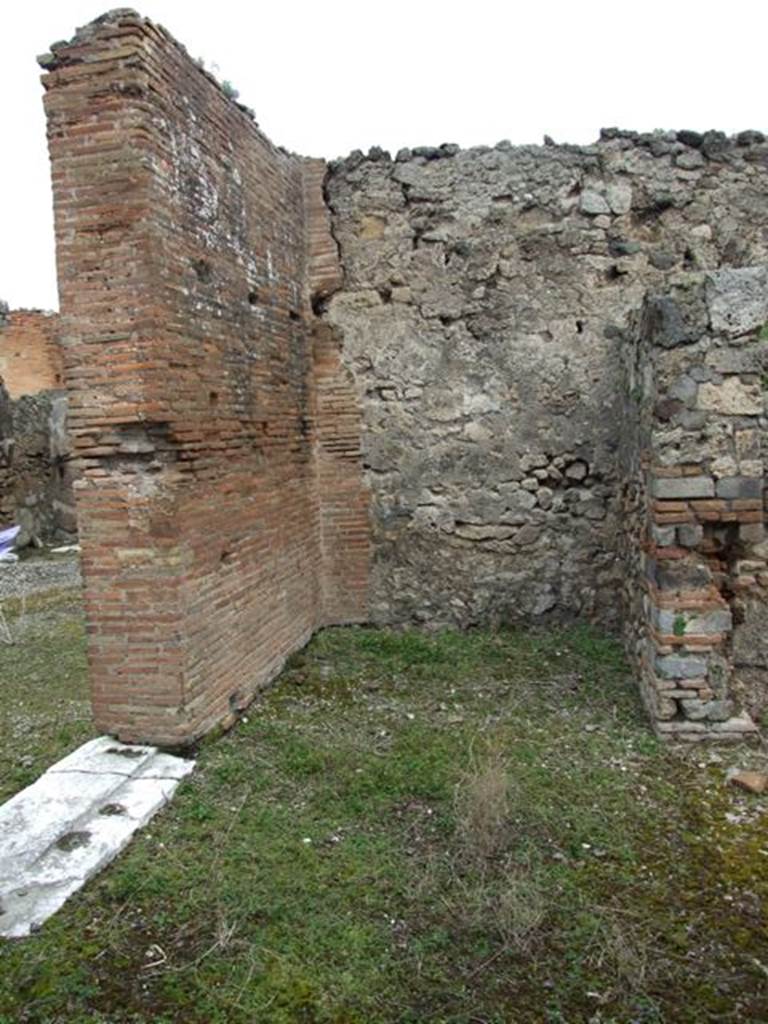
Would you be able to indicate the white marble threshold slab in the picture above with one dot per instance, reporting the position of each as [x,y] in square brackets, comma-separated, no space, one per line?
[76,818]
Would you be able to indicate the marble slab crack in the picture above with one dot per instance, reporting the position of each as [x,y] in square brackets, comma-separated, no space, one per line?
[59,832]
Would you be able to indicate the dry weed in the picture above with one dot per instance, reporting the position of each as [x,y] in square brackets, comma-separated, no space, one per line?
[483,804]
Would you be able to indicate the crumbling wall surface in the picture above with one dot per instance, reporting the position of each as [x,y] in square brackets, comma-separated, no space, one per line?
[186,273]
[36,473]
[30,355]
[486,302]
[7,502]
[342,496]
[698,605]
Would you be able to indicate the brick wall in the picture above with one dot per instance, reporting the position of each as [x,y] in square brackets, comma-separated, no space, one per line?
[30,358]
[214,471]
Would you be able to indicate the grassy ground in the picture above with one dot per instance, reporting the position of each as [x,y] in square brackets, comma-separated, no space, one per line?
[44,707]
[475,829]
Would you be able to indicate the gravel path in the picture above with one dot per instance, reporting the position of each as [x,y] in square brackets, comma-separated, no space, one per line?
[34,575]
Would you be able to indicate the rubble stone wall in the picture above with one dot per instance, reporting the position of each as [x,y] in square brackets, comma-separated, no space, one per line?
[410,390]
[36,471]
[484,314]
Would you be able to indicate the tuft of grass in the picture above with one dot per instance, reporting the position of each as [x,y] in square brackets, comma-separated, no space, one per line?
[482,812]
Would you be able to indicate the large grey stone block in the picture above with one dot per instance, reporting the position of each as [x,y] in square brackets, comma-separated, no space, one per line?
[737,299]
[683,487]
[710,623]
[678,666]
[740,487]
[711,710]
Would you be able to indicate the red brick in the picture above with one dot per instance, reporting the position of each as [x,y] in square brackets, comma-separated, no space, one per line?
[223,514]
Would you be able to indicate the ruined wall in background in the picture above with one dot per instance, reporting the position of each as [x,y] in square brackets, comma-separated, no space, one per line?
[486,300]
[30,355]
[36,470]
[189,249]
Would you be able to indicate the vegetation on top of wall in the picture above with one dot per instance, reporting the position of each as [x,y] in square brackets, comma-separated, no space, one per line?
[226,87]
[229,90]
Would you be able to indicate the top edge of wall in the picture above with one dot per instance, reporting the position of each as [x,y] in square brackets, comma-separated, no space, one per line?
[711,143]
[64,53]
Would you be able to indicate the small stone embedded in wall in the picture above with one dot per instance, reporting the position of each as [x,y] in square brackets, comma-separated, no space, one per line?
[738,300]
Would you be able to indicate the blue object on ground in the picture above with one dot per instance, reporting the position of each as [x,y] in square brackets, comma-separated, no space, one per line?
[7,538]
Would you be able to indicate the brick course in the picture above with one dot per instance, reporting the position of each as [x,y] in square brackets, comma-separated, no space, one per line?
[221,509]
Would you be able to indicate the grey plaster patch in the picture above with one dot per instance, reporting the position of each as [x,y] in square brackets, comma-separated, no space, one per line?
[60,831]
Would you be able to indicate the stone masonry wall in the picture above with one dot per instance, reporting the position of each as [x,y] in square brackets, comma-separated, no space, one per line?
[189,251]
[36,471]
[699,559]
[486,301]
[30,357]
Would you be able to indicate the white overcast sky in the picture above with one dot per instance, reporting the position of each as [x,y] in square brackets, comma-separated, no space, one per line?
[329,76]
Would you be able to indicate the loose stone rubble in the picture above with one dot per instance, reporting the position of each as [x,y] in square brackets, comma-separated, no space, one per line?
[752,782]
